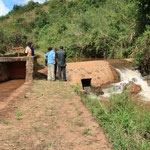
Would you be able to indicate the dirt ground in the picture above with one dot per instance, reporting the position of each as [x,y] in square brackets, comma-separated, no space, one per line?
[48,116]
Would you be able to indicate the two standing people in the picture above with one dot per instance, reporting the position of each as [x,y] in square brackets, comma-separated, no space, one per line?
[51,63]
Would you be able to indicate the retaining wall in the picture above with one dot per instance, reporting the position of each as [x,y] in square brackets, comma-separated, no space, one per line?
[100,72]
[18,68]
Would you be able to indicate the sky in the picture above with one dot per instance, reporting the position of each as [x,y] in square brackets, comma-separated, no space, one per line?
[7,5]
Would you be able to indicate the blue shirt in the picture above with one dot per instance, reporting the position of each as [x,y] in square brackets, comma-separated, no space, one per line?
[50,57]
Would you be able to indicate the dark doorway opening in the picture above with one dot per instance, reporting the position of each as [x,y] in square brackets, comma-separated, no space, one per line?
[86,83]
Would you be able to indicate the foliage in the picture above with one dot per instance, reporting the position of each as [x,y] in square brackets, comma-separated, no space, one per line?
[4,17]
[41,19]
[126,124]
[21,9]
[142,52]
[76,88]
[87,28]
[11,39]
[143,14]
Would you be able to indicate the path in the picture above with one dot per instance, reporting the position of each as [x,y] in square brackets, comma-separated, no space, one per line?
[49,117]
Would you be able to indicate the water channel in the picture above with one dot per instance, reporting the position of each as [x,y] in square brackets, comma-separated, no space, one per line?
[123,67]
[6,88]
[126,76]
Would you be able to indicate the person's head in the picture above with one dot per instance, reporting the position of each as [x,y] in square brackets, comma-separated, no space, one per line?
[61,47]
[49,49]
[29,44]
[54,48]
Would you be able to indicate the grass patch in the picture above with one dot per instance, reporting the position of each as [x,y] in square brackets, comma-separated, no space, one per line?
[126,124]
[19,114]
[16,107]
[5,122]
[80,113]
[49,144]
[86,131]
[19,118]
[50,114]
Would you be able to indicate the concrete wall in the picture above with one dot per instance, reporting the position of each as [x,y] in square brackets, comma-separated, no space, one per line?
[31,68]
[4,75]
[18,68]
[100,73]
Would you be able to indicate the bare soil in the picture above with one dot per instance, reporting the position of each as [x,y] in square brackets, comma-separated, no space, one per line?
[48,116]
[8,87]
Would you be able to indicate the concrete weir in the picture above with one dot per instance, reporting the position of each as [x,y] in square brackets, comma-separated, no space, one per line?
[18,68]
[95,73]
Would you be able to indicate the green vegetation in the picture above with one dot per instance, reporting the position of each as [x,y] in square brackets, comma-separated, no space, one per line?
[126,124]
[19,118]
[50,114]
[5,122]
[86,131]
[87,28]
[16,107]
[19,114]
[49,144]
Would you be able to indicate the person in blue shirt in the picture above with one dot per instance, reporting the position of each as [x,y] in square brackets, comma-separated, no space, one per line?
[55,71]
[49,49]
[50,56]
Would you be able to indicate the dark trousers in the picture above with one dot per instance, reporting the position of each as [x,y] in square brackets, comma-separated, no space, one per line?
[60,71]
[45,62]
[55,71]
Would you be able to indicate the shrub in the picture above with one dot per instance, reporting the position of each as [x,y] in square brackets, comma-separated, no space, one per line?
[41,19]
[142,52]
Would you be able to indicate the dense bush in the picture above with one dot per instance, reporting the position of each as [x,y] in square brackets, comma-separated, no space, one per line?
[41,19]
[143,15]
[142,52]
[87,28]
[11,39]
[21,9]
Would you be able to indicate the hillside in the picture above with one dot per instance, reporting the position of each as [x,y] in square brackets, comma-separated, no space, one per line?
[87,28]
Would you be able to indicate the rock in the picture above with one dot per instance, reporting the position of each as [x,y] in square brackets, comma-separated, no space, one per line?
[148,79]
[97,90]
[87,89]
[148,82]
[83,91]
[133,88]
[115,74]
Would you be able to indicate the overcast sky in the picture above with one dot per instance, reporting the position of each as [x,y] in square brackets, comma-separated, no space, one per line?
[7,5]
